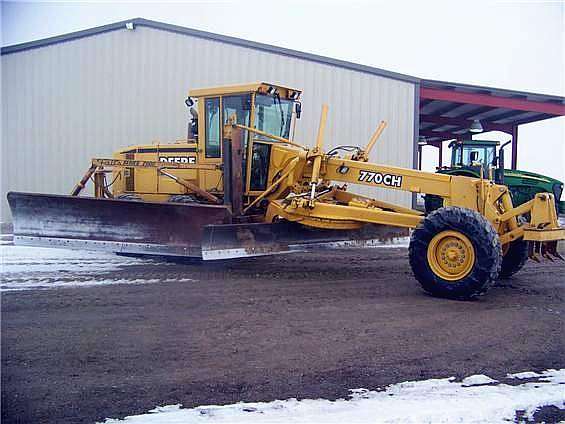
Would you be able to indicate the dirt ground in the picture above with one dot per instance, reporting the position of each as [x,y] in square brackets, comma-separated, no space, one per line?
[302,326]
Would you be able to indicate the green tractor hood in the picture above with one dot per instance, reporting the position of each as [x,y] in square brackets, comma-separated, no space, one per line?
[524,184]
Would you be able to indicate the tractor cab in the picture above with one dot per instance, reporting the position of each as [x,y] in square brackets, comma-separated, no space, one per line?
[474,154]
[473,158]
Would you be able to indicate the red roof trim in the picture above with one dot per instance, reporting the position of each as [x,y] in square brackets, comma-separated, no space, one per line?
[492,101]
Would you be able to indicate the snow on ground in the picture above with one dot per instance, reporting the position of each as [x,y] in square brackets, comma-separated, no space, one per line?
[523,375]
[475,380]
[396,242]
[429,401]
[35,268]
[18,259]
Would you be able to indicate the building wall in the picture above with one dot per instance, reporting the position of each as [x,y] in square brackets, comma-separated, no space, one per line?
[65,103]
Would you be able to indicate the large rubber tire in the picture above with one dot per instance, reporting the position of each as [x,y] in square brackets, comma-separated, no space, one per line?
[514,259]
[432,203]
[486,252]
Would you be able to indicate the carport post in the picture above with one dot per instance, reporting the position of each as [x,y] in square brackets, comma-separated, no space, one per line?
[514,146]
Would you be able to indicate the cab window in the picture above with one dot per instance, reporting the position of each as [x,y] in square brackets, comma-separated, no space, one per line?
[212,136]
[273,115]
[478,152]
[260,166]
[238,108]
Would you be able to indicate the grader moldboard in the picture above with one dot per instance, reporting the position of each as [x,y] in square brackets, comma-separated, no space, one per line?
[239,186]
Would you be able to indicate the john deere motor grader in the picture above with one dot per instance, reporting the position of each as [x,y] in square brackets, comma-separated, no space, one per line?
[240,186]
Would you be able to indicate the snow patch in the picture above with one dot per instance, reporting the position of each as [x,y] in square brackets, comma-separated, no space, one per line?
[522,375]
[18,259]
[45,284]
[475,380]
[37,268]
[427,401]
[396,242]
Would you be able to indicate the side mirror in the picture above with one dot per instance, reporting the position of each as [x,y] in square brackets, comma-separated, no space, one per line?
[473,156]
[189,102]
[298,109]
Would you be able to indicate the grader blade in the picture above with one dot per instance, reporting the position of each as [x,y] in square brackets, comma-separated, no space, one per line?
[120,226]
[245,240]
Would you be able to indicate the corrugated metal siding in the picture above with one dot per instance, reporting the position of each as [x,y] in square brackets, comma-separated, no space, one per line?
[65,103]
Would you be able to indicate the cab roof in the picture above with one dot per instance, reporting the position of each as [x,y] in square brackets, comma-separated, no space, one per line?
[260,87]
[475,142]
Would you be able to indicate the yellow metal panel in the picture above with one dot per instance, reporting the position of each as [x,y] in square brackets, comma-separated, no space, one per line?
[389,177]
[544,235]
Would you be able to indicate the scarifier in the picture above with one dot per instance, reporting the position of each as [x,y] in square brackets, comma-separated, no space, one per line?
[240,186]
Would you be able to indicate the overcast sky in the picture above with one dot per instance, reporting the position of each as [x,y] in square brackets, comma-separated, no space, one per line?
[508,44]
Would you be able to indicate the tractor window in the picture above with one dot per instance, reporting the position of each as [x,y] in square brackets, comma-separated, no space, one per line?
[212,112]
[273,115]
[467,150]
[490,155]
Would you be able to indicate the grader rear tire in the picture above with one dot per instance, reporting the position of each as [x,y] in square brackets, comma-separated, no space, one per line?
[514,258]
[455,253]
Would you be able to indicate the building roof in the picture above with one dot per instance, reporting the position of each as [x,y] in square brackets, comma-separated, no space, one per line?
[209,36]
[446,109]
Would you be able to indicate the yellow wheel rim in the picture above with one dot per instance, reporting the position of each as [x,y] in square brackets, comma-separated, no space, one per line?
[451,255]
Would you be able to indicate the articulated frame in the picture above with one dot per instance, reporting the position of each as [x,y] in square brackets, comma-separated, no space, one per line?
[330,206]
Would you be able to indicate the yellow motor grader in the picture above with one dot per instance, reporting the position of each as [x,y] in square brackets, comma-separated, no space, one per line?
[240,186]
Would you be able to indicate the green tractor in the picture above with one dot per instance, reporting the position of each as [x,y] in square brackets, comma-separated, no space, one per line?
[471,157]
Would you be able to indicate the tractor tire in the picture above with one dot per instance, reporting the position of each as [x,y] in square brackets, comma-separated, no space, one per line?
[514,259]
[183,198]
[129,196]
[432,203]
[455,253]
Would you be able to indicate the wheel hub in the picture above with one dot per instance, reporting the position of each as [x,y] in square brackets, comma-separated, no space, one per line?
[451,255]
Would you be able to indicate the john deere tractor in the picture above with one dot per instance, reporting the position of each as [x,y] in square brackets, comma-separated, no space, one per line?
[473,158]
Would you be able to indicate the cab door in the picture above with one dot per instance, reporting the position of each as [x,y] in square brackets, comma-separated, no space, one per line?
[217,112]
[210,144]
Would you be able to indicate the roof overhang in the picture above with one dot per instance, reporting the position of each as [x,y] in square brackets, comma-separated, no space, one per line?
[447,110]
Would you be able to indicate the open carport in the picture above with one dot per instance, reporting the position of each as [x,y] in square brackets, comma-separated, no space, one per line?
[453,111]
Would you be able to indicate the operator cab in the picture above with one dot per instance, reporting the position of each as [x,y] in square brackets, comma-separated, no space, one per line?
[263,106]
[474,154]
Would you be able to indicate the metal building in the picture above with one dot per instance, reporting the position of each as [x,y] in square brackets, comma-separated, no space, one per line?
[69,98]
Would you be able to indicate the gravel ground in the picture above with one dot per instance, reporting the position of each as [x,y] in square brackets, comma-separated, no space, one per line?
[303,326]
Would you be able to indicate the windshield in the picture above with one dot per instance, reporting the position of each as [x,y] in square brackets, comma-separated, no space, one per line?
[485,155]
[273,115]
